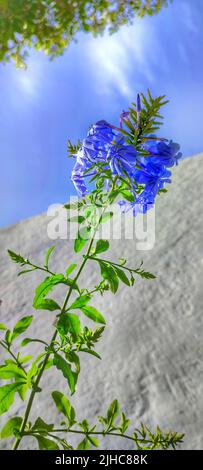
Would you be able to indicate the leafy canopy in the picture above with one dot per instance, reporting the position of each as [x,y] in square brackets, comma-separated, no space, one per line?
[51,25]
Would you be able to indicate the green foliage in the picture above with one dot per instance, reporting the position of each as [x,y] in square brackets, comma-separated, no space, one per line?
[22,326]
[10,371]
[40,303]
[7,393]
[17,258]
[50,26]
[140,125]
[46,444]
[79,243]
[93,313]
[10,428]
[101,246]
[64,406]
[65,368]
[47,255]
[71,336]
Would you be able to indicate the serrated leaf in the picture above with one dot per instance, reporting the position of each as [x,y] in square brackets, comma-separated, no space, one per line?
[92,312]
[10,426]
[22,326]
[48,254]
[65,368]
[17,258]
[145,274]
[101,246]
[97,333]
[7,393]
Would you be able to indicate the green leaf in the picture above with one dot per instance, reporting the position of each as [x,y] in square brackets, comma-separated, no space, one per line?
[63,405]
[97,333]
[3,327]
[122,261]
[92,312]
[90,351]
[25,271]
[84,444]
[25,359]
[17,258]
[101,246]
[108,273]
[22,326]
[70,269]
[112,412]
[10,427]
[11,371]
[65,368]
[145,274]
[78,219]
[69,323]
[106,216]
[124,423]
[7,393]
[22,391]
[122,276]
[27,341]
[46,444]
[79,243]
[81,301]
[48,254]
[44,288]
[8,337]
[41,425]
[93,441]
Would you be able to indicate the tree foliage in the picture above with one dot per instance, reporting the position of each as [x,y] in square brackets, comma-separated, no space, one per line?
[51,25]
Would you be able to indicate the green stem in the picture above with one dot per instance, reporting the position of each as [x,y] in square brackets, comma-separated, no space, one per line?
[37,381]
[12,355]
[41,268]
[92,433]
[114,264]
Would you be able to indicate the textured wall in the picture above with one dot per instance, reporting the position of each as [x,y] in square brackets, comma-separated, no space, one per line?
[152,348]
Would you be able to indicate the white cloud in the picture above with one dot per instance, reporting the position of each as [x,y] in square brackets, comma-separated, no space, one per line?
[122,59]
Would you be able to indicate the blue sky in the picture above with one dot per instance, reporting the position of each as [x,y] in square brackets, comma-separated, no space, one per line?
[95,79]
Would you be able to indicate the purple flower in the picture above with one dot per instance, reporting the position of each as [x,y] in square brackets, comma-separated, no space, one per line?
[78,171]
[96,145]
[145,175]
[122,159]
[164,153]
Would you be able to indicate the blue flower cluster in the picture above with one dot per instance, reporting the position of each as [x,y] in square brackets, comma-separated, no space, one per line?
[106,144]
